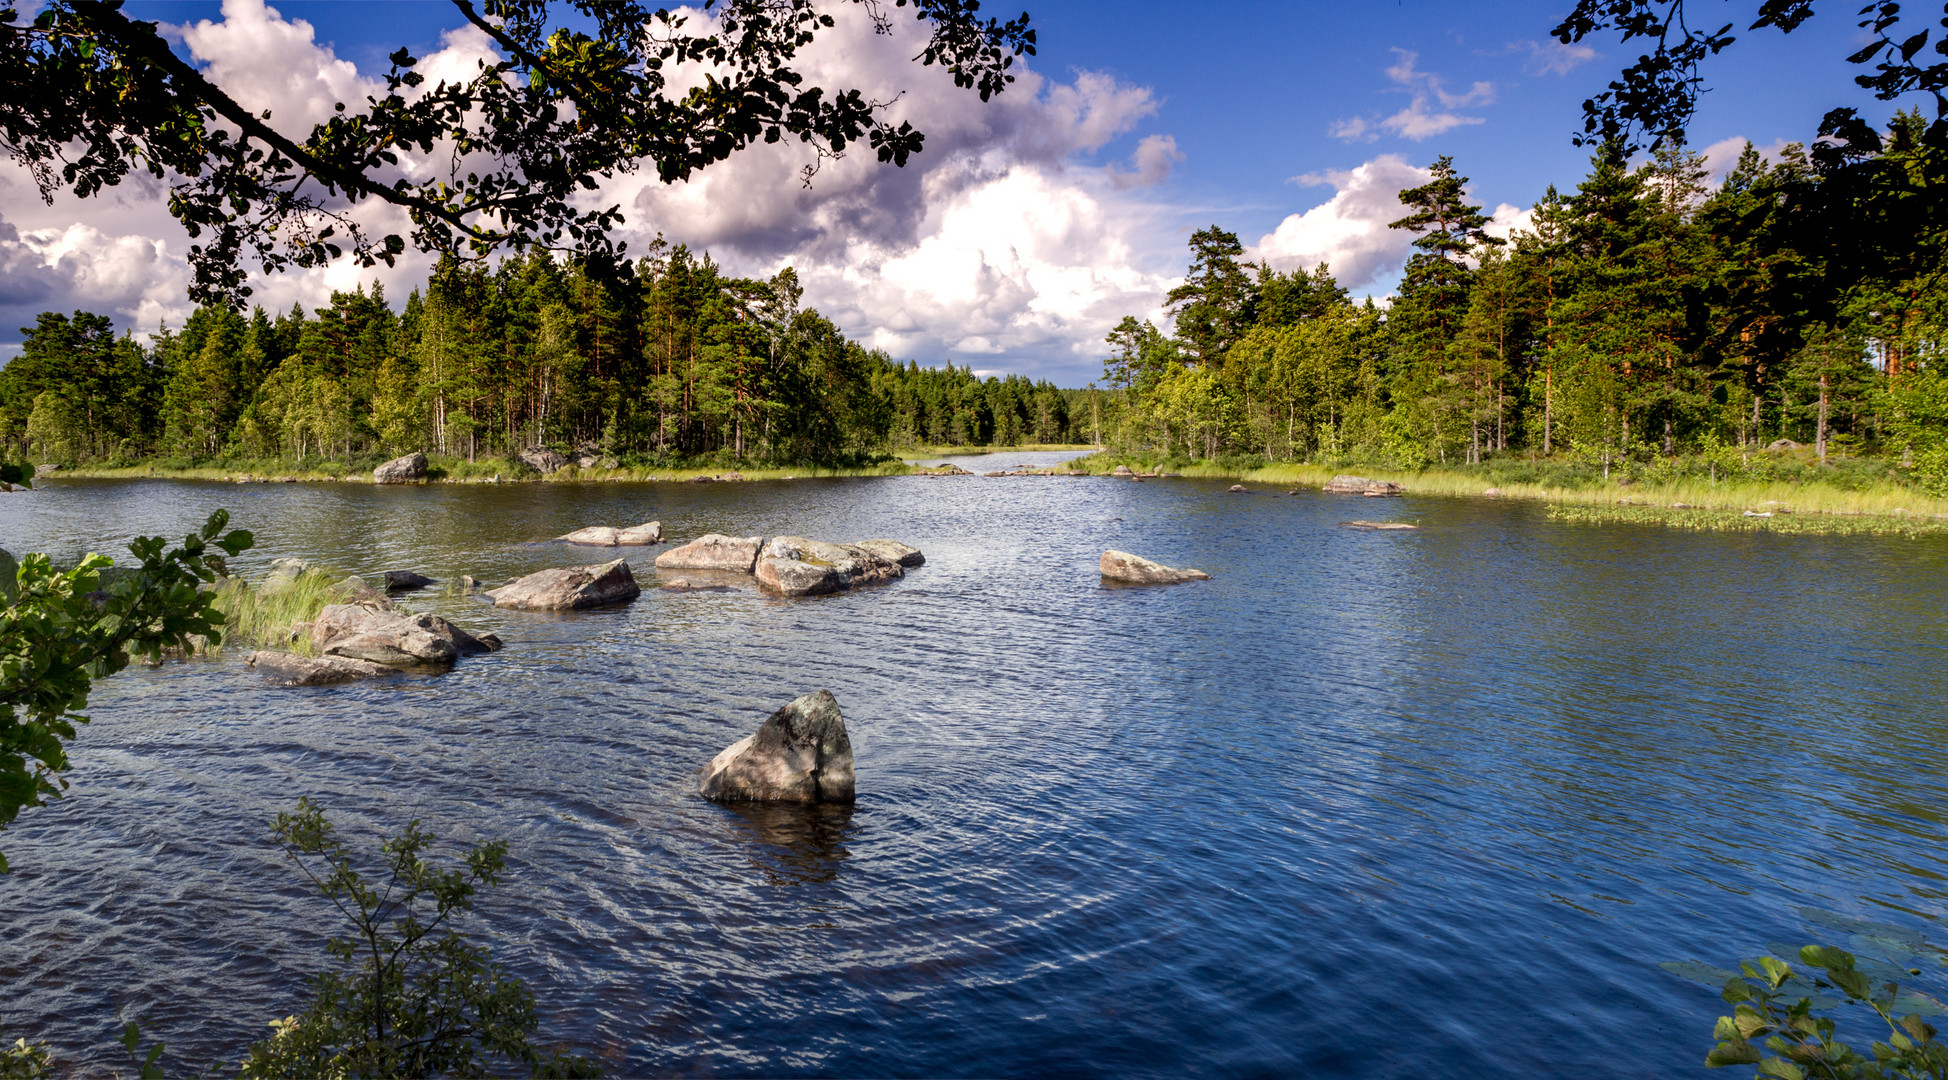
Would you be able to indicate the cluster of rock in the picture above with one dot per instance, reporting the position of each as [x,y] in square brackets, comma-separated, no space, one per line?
[796,565]
[649,532]
[800,755]
[567,588]
[947,468]
[1360,485]
[1128,473]
[1128,569]
[546,461]
[364,637]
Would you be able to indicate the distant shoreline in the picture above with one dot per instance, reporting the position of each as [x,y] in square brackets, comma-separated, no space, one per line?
[1728,505]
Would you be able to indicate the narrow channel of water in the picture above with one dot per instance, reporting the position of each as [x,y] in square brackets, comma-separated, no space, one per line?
[1428,803]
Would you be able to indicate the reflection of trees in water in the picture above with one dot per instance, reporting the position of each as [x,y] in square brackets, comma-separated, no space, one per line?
[797,844]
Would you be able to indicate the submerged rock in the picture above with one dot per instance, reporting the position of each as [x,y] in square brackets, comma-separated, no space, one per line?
[1137,570]
[684,584]
[801,754]
[401,470]
[404,580]
[292,670]
[894,551]
[713,551]
[568,588]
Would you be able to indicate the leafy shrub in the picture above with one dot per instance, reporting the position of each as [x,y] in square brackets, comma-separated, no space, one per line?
[1788,1041]
[413,997]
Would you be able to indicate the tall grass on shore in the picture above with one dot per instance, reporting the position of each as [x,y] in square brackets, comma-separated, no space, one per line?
[263,619]
[1889,506]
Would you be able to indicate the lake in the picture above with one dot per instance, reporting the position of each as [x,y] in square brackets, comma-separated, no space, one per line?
[1418,804]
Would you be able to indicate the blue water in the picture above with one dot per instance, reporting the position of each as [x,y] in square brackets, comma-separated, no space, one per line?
[1422,804]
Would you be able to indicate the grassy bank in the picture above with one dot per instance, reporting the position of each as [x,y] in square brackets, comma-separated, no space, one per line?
[455,470]
[1855,500]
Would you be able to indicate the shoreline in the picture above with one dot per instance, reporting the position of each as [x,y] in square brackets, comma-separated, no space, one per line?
[1728,505]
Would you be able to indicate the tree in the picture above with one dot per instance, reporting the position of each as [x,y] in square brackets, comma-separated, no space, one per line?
[86,92]
[61,630]
[1433,302]
[1215,304]
[1657,95]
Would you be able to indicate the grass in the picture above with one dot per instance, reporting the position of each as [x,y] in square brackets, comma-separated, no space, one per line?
[1873,504]
[252,616]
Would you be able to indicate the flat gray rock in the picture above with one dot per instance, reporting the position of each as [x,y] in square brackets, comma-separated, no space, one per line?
[569,588]
[894,551]
[291,670]
[1137,570]
[713,551]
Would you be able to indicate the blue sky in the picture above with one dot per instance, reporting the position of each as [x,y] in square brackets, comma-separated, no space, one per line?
[1030,226]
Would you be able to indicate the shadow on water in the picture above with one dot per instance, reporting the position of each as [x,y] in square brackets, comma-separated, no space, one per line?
[794,844]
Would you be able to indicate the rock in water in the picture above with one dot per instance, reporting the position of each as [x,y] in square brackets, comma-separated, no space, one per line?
[1136,570]
[403,580]
[684,584]
[314,670]
[649,532]
[1238,489]
[564,589]
[713,551]
[796,566]
[1382,525]
[541,459]
[401,470]
[894,551]
[383,637]
[594,535]
[1122,470]
[801,754]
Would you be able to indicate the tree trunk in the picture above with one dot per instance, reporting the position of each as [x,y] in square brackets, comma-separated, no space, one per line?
[1548,405]
[1819,439]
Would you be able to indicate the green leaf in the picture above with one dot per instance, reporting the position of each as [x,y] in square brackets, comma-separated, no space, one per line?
[1732,1053]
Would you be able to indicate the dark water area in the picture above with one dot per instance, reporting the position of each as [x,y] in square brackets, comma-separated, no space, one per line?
[1413,804]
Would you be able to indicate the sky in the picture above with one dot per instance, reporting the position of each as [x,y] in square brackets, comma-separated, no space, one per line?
[1032,224]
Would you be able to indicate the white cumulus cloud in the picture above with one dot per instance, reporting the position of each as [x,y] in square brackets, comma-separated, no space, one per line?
[1429,107]
[1349,231]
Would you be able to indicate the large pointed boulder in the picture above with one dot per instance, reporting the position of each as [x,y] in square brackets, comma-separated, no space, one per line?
[568,588]
[801,755]
[401,470]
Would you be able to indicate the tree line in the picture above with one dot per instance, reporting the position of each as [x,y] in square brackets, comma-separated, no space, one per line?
[1645,315]
[667,360]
